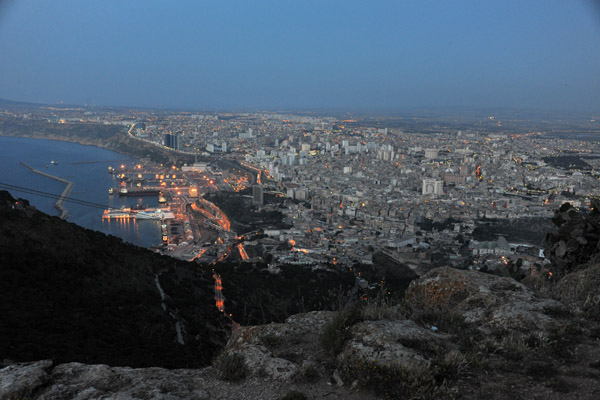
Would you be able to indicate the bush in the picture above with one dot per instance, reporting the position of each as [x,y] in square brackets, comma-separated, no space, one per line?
[231,367]
[442,318]
[381,307]
[336,332]
[309,372]
[452,365]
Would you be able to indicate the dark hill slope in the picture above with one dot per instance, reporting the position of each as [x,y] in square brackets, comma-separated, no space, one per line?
[72,294]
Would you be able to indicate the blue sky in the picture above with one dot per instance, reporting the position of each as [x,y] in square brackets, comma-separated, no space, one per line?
[387,55]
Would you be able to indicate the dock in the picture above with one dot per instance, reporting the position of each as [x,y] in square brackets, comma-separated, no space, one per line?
[62,211]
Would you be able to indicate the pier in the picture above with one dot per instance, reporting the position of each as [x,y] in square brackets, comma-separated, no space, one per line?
[65,193]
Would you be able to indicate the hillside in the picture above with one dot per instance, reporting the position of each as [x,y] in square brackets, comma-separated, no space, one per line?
[72,294]
[111,137]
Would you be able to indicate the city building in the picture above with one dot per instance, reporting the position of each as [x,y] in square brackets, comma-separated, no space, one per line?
[172,141]
[433,186]
[257,195]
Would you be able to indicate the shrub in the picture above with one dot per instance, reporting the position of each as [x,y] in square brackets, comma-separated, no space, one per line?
[381,307]
[451,366]
[309,372]
[231,367]
[513,346]
[442,318]
[336,332]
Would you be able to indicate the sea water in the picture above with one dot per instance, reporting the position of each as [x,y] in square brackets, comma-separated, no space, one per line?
[87,168]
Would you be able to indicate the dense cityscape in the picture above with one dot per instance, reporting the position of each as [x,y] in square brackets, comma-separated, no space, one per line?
[293,200]
[458,193]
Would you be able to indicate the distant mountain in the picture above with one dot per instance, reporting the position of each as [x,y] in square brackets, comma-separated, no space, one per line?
[72,294]
[18,104]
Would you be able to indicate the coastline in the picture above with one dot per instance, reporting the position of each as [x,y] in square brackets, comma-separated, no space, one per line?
[109,137]
[90,184]
[63,213]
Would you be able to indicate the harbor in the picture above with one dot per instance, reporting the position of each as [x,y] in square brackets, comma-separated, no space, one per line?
[90,184]
[161,207]
[192,228]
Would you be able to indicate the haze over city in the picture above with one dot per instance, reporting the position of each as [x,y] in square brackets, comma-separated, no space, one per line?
[385,55]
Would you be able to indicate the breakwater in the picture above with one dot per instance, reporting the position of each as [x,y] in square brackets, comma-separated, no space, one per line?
[63,213]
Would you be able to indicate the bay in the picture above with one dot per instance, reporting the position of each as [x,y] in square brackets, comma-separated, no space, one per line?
[87,168]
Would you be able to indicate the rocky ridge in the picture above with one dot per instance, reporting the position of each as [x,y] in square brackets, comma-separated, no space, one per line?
[492,327]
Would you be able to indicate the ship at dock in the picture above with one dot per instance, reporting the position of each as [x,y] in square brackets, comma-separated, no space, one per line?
[153,214]
[149,213]
[123,213]
[139,192]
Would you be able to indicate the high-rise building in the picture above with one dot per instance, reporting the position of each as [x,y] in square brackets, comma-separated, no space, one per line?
[172,141]
[257,195]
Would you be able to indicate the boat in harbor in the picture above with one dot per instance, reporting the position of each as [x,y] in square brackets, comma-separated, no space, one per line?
[111,191]
[153,214]
[129,213]
[123,213]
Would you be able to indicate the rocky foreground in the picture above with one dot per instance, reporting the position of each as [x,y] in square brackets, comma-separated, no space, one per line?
[470,335]
[454,334]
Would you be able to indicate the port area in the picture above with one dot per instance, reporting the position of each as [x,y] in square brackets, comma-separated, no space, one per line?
[192,228]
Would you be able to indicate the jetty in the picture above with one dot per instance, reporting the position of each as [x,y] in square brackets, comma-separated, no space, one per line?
[62,211]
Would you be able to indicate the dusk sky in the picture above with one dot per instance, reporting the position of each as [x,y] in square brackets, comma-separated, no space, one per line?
[386,55]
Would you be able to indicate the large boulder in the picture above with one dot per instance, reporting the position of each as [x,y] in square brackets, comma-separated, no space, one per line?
[575,241]
[279,350]
[98,381]
[21,381]
[580,289]
[397,343]
[486,301]
[81,381]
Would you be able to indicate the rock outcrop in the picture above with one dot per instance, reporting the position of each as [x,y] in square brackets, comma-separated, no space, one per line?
[575,242]
[580,289]
[44,381]
[487,301]
[399,343]
[281,351]
[22,380]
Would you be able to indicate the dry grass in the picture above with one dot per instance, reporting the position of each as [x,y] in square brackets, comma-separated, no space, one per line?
[336,332]
[231,367]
